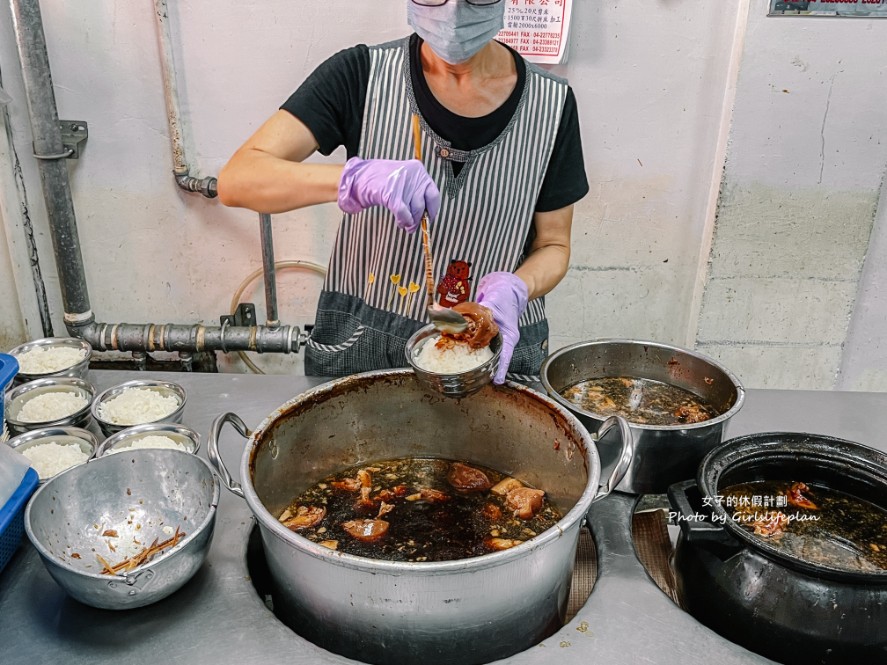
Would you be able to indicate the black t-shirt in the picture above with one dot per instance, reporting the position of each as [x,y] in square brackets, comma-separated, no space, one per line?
[331,103]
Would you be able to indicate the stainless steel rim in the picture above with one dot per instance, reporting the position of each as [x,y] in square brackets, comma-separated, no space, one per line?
[160,427]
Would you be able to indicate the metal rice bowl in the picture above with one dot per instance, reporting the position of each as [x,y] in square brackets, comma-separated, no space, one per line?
[457,385]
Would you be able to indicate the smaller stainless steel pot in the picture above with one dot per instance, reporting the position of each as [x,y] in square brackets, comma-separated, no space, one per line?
[662,454]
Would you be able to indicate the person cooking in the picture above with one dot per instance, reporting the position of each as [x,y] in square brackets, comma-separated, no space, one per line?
[501,169]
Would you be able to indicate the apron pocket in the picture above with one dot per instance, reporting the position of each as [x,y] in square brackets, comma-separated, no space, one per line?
[527,361]
[327,350]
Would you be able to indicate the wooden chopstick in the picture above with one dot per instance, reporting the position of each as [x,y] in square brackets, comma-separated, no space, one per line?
[426,241]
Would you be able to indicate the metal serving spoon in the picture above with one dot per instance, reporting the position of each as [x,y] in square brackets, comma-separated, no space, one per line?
[443,318]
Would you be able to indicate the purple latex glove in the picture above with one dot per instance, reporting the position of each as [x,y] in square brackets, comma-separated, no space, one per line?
[505,294]
[404,187]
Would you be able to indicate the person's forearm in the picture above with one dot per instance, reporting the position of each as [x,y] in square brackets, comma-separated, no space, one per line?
[264,183]
[543,269]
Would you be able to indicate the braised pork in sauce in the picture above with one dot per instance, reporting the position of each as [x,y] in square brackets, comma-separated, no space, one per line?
[481,327]
[639,401]
[419,509]
[816,524]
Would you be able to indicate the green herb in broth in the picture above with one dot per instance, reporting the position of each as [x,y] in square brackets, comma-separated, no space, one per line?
[419,509]
[639,401]
[816,524]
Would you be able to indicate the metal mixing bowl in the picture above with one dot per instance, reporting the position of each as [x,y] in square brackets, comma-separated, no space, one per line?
[164,388]
[73,436]
[663,454]
[184,436]
[451,385]
[16,398]
[138,495]
[78,370]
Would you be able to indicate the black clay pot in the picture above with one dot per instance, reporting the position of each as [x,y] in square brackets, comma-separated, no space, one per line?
[759,596]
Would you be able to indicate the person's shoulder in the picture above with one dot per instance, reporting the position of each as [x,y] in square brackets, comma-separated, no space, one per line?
[351,54]
[347,67]
[536,70]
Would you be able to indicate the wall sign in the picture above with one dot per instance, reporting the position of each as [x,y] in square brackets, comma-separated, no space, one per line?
[845,8]
[538,29]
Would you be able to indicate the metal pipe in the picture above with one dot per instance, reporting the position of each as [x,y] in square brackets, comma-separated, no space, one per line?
[181,169]
[31,43]
[269,270]
[47,139]
[79,318]
[152,337]
[205,186]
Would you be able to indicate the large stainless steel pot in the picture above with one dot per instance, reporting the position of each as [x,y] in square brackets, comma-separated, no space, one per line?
[466,611]
[662,454]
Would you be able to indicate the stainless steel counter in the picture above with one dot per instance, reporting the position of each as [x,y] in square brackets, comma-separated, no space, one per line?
[218,617]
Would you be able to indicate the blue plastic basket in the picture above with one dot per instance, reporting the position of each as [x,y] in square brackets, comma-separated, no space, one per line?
[12,517]
[8,369]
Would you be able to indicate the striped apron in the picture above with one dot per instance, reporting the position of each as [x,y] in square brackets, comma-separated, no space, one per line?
[374,296]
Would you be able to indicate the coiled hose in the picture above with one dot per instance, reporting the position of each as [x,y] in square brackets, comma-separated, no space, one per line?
[291,264]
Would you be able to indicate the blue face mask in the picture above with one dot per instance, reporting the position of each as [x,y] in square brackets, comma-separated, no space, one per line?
[456,31]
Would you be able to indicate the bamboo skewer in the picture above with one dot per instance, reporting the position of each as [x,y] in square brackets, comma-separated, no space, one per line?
[138,559]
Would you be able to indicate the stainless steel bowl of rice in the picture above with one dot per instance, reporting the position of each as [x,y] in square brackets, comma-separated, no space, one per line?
[152,435]
[60,402]
[51,450]
[52,357]
[457,371]
[137,403]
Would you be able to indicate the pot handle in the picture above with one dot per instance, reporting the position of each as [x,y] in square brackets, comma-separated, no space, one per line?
[696,524]
[624,458]
[212,449]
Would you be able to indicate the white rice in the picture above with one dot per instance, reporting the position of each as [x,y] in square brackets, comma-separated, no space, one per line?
[49,407]
[135,406]
[51,458]
[460,358]
[46,360]
[151,441]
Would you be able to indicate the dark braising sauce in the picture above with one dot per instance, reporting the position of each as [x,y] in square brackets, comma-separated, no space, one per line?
[816,524]
[639,401]
[416,509]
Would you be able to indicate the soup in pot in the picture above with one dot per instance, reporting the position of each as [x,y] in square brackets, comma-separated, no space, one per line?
[639,401]
[420,509]
[817,524]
